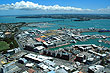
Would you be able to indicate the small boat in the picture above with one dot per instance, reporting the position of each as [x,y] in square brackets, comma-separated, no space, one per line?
[100,41]
[73,41]
[103,37]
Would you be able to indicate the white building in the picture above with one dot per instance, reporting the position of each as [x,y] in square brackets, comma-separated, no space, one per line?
[49,63]
[39,58]
[96,69]
[38,48]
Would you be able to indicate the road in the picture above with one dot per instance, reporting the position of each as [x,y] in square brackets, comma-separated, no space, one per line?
[19,43]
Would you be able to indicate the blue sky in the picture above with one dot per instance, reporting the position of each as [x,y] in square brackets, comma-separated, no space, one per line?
[91,4]
[96,6]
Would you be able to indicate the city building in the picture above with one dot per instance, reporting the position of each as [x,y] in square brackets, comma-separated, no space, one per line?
[96,69]
[10,68]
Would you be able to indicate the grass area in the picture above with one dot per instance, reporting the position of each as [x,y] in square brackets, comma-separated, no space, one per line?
[8,43]
[4,46]
[52,32]
[12,43]
[49,34]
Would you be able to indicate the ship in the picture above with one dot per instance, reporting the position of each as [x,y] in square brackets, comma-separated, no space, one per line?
[104,31]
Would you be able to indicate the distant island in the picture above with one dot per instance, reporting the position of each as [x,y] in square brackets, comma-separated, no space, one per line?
[83,19]
[80,17]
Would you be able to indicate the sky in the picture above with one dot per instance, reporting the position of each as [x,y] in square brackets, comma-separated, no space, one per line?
[19,7]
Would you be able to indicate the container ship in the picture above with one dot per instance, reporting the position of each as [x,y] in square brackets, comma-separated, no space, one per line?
[104,31]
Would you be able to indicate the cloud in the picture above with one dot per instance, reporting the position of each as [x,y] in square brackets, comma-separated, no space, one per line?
[104,10]
[32,6]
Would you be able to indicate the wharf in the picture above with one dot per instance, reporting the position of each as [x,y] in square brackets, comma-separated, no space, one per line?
[106,41]
[89,30]
[59,46]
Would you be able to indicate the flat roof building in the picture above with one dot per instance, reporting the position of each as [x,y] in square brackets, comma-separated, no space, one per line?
[10,68]
[49,63]
[96,69]
[39,58]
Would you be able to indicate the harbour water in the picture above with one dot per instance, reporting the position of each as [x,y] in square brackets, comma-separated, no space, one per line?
[90,41]
[98,23]
[68,23]
[102,24]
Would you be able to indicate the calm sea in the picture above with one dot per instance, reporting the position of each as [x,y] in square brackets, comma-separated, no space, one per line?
[102,23]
